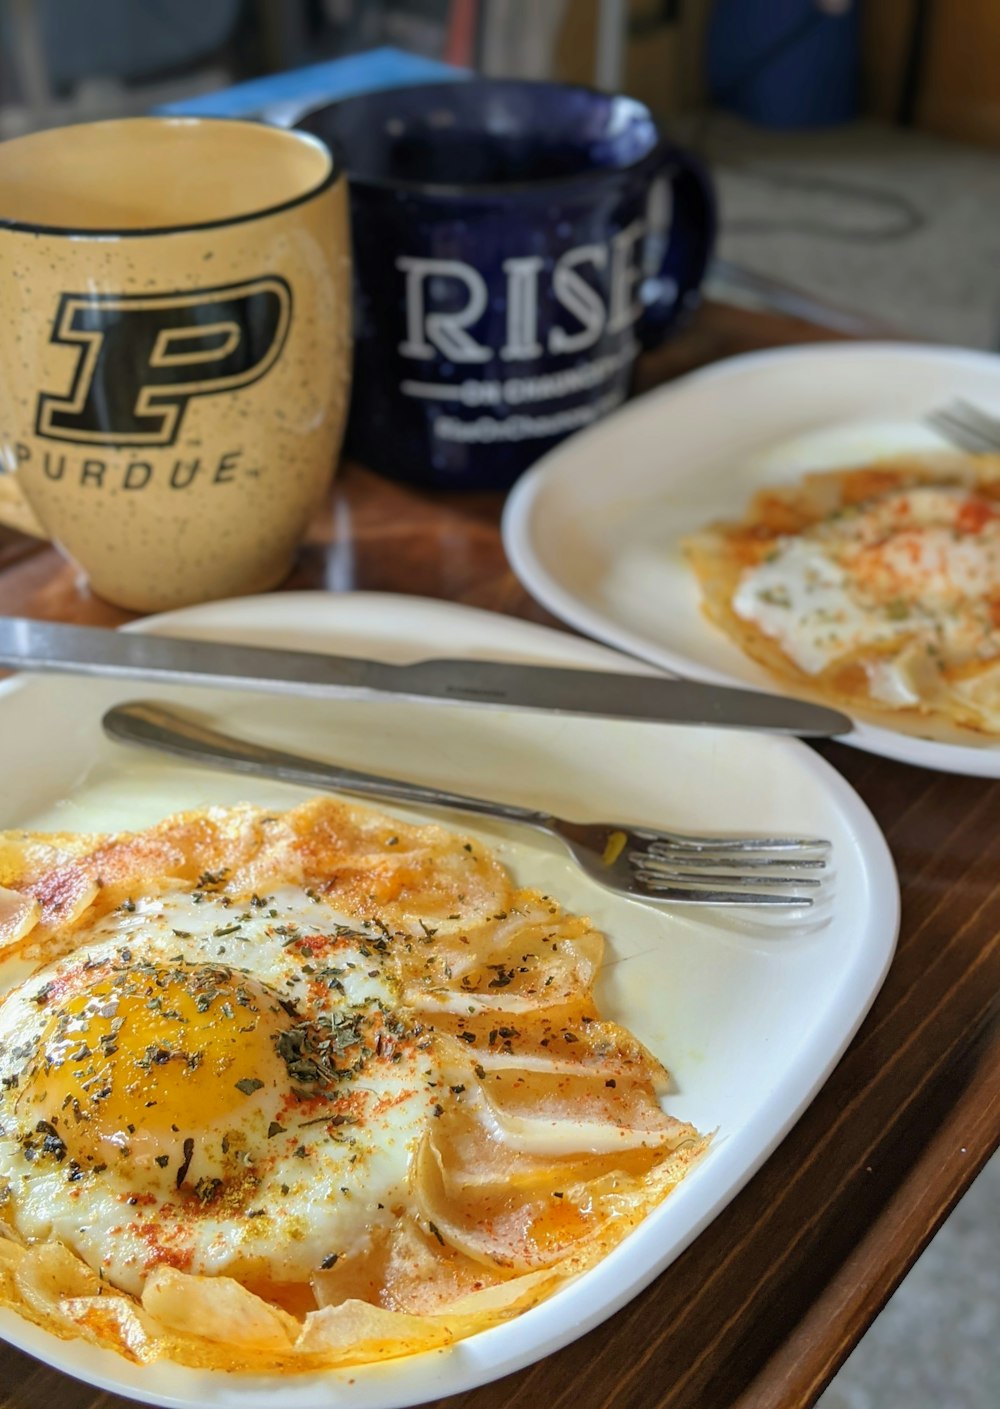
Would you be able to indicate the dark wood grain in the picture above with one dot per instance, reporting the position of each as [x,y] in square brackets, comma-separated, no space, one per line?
[762,1309]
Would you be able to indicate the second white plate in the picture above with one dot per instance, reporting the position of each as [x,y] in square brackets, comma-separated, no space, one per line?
[594,529]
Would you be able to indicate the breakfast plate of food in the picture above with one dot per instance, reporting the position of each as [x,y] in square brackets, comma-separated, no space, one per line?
[790,520]
[367,1105]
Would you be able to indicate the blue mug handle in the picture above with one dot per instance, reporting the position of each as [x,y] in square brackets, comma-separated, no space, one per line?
[676,254]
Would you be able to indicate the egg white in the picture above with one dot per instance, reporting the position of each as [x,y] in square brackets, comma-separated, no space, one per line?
[316,1186]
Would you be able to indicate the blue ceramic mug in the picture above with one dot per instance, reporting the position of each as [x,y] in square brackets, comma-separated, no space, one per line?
[516,244]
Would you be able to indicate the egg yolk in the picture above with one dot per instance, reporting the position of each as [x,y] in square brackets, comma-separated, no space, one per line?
[145,1055]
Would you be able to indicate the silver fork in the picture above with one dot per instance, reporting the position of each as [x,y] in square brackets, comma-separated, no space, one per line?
[966,426]
[635,861]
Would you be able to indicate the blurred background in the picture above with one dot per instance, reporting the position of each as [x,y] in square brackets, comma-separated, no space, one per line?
[853,141]
[854,145]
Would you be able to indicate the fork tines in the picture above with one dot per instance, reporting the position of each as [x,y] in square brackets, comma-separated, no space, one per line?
[728,871]
[966,426]
[667,856]
[668,843]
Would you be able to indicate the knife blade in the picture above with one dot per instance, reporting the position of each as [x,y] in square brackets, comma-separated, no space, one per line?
[88,650]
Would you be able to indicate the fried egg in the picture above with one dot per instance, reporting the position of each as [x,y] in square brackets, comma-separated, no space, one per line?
[226,1090]
[305,1089]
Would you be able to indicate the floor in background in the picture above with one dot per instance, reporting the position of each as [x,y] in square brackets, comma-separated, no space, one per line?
[894,225]
[937,1343]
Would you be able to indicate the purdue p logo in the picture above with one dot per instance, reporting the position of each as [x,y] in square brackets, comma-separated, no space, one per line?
[142,357]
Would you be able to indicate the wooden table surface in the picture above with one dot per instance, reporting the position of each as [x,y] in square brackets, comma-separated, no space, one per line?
[770,1300]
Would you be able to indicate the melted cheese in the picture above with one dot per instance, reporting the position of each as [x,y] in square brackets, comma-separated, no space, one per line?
[806,602]
[919,568]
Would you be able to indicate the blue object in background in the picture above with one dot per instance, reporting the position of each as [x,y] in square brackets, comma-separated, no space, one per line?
[281,97]
[515,243]
[786,63]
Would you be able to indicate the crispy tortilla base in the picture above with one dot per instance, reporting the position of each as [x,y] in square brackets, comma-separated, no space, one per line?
[721,553]
[484,1237]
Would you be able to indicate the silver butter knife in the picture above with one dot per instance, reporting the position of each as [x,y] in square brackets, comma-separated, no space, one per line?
[88,650]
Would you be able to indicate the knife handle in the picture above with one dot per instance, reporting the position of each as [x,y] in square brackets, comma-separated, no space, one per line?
[154,726]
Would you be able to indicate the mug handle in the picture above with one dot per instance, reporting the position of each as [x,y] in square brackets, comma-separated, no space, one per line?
[677,246]
[15,511]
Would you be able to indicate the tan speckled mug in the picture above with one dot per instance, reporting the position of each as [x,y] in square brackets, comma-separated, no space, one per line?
[175,358]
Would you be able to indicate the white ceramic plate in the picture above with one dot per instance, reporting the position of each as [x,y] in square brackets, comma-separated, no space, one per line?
[594,529]
[749,1021]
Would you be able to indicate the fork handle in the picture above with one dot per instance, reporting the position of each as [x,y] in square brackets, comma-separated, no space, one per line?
[156,727]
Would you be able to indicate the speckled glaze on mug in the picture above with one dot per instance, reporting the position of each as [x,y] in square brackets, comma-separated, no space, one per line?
[175,369]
